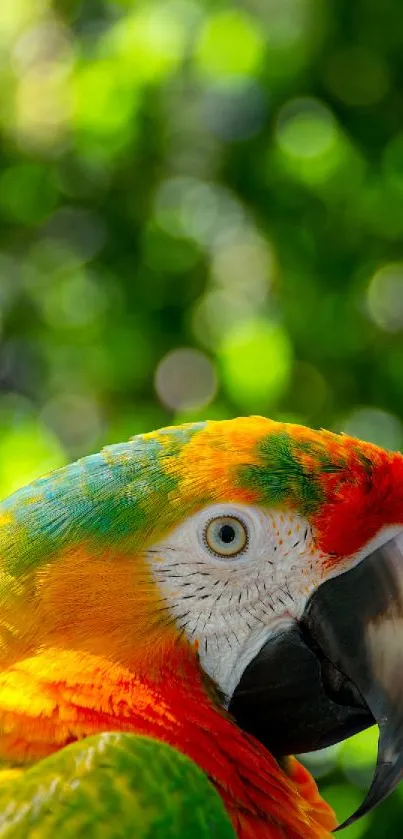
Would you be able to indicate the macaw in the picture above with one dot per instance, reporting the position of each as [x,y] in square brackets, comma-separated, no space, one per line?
[180,614]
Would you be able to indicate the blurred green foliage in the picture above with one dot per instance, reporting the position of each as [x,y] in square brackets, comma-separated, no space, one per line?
[201,208]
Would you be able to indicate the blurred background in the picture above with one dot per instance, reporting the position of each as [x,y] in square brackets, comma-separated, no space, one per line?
[201,210]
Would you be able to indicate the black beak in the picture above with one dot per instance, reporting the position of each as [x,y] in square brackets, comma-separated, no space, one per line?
[335,672]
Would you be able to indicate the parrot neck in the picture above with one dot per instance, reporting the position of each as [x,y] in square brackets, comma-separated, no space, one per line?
[59,696]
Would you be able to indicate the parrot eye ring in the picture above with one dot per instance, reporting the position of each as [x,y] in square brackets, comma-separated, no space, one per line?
[226,536]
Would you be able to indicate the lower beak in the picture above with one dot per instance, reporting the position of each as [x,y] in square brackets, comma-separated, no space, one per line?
[335,672]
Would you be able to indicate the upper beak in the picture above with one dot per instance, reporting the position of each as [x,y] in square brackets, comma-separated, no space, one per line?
[337,671]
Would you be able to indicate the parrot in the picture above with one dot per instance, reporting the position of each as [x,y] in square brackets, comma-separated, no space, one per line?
[180,615]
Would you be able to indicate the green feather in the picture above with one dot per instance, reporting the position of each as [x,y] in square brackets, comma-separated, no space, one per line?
[280,478]
[113,786]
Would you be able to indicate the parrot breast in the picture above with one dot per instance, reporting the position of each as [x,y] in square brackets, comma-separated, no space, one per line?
[63,697]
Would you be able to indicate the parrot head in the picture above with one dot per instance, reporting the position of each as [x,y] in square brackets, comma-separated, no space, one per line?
[273,553]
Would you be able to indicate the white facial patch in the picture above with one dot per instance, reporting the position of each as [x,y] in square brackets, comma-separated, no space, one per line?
[260,580]
[232,604]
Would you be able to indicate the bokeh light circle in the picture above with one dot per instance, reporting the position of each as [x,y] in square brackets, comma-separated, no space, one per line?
[185,380]
[385,297]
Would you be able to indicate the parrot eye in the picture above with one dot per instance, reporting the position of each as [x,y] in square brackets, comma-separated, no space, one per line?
[226,536]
